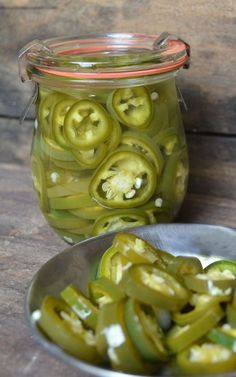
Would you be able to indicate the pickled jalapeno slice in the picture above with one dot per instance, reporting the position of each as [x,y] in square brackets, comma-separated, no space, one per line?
[136,249]
[181,337]
[90,158]
[39,181]
[71,202]
[65,220]
[80,305]
[224,335]
[63,327]
[103,290]
[86,125]
[199,304]
[54,151]
[119,219]
[45,112]
[206,358]
[154,286]
[131,106]
[184,265]
[59,112]
[115,135]
[174,177]
[217,279]
[113,265]
[144,144]
[112,338]
[125,179]
[144,331]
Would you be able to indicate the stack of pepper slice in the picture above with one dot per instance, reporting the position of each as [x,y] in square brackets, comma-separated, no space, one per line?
[143,312]
[126,143]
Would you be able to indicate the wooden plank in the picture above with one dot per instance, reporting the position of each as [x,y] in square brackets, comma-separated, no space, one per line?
[27,4]
[208,87]
[15,141]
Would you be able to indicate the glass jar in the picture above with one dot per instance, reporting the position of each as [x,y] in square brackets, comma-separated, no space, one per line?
[109,149]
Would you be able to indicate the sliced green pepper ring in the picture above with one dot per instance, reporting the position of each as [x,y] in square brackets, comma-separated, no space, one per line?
[125,179]
[136,249]
[69,188]
[184,265]
[45,112]
[231,312]
[80,305]
[231,315]
[39,181]
[131,106]
[119,264]
[90,158]
[205,359]
[222,268]
[144,144]
[181,337]
[69,165]
[65,220]
[58,116]
[115,135]
[103,290]
[85,228]
[86,125]
[89,213]
[55,151]
[224,335]
[174,177]
[154,286]
[71,202]
[112,339]
[64,328]
[104,266]
[202,304]
[168,140]
[210,283]
[158,211]
[119,219]
[160,118]
[112,265]
[144,331]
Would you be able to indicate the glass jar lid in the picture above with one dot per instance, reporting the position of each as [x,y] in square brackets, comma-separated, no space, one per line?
[108,56]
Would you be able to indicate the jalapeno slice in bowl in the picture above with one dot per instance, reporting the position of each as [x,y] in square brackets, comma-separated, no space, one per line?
[125,179]
[144,331]
[64,327]
[206,358]
[86,124]
[154,286]
[131,106]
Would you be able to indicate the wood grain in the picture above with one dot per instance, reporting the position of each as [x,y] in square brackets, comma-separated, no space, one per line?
[209,87]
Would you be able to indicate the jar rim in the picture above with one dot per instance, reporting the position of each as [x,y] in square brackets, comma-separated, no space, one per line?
[103,56]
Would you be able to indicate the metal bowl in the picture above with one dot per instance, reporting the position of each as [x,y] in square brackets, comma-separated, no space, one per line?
[76,264]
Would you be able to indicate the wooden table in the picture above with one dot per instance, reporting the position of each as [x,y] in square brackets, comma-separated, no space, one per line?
[26,241]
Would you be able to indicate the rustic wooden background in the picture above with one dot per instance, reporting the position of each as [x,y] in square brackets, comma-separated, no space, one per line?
[209,88]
